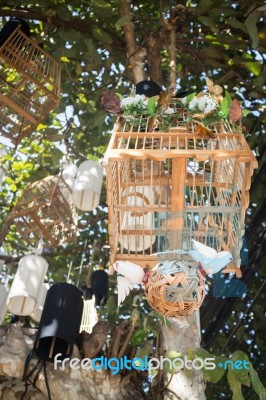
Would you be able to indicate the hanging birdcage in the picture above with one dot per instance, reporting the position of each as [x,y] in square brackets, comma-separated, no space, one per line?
[29,85]
[165,187]
[45,211]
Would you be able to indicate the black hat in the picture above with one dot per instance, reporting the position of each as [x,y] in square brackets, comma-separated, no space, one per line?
[148,88]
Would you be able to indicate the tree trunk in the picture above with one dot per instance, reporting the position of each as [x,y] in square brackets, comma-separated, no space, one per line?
[182,339]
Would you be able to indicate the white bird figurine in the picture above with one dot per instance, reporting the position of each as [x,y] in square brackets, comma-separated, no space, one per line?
[129,274]
[210,260]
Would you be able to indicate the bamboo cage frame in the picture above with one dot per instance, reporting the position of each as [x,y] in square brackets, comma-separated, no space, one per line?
[29,86]
[45,211]
[201,187]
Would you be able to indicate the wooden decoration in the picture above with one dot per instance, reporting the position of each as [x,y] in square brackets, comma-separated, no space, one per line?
[198,188]
[45,211]
[89,316]
[175,288]
[29,85]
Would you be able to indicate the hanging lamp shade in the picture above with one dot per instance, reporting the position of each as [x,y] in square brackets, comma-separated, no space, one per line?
[88,185]
[37,313]
[60,321]
[25,288]
[3,305]
[2,172]
[69,173]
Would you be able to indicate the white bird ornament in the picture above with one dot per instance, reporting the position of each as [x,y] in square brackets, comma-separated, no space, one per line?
[210,260]
[129,274]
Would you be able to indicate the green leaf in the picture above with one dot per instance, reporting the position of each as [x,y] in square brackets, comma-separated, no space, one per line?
[254,67]
[102,36]
[190,97]
[245,112]
[204,5]
[152,105]
[120,96]
[211,375]
[251,24]
[235,386]
[123,20]
[224,107]
[229,98]
[241,374]
[144,351]
[111,305]
[138,337]
[209,22]
[176,358]
[257,384]
[236,24]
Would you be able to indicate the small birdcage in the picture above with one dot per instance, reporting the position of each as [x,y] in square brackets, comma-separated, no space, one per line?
[45,211]
[166,187]
[29,85]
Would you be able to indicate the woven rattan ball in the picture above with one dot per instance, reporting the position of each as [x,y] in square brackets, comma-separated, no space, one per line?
[175,288]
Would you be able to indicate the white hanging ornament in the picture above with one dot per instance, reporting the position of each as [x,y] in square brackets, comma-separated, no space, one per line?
[37,313]
[88,185]
[29,278]
[69,173]
[3,305]
[89,316]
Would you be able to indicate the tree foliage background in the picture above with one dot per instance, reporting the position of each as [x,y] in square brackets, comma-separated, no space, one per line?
[114,44]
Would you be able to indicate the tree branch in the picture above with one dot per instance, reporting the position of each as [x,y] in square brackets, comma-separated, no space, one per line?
[135,55]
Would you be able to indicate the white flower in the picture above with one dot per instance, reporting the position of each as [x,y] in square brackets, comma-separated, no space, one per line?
[202,102]
[184,101]
[210,106]
[169,111]
[193,104]
[127,101]
[139,98]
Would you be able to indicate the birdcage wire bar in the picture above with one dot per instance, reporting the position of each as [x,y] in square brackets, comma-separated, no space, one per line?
[165,188]
[45,211]
[29,85]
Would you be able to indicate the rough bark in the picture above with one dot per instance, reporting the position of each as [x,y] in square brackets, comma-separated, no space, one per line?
[181,339]
[135,54]
[15,344]
[154,46]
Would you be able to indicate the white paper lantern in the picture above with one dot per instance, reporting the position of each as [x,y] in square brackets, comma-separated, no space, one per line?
[3,152]
[28,280]
[3,305]
[132,221]
[88,185]
[37,313]
[69,173]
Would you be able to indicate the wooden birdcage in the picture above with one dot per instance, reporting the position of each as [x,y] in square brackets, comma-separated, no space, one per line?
[45,211]
[29,86]
[165,188]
